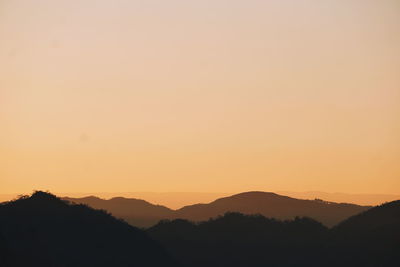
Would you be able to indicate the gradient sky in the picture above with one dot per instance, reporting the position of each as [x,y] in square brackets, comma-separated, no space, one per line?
[210,95]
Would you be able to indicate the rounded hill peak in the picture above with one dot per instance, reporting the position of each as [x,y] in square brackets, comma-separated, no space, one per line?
[256,193]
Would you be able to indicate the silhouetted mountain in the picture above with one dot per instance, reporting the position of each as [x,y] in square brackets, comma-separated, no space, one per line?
[43,230]
[375,219]
[271,205]
[369,239]
[243,240]
[5,254]
[137,212]
[144,214]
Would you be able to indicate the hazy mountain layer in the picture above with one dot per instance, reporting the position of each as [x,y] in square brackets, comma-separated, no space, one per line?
[144,214]
[134,211]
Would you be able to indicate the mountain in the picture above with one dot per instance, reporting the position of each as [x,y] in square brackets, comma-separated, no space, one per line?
[4,252]
[243,240]
[271,205]
[137,212]
[359,199]
[376,219]
[369,239]
[43,230]
[144,214]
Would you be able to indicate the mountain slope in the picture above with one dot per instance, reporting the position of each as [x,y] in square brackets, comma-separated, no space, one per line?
[42,230]
[5,254]
[271,205]
[238,240]
[137,212]
[371,237]
[144,214]
[374,219]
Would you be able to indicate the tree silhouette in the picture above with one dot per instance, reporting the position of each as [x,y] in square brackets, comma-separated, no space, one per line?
[43,230]
[369,239]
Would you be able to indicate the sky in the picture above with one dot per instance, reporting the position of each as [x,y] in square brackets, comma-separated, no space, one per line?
[200,96]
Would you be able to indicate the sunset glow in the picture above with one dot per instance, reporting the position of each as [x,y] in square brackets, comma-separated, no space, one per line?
[200,96]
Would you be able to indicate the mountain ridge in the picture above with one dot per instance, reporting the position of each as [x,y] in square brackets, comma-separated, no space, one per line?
[144,214]
[43,230]
[370,238]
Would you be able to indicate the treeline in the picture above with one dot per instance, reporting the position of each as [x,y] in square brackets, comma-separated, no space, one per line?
[42,230]
[369,239]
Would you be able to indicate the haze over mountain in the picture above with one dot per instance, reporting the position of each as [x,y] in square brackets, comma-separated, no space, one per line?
[177,200]
[135,211]
[359,199]
[42,230]
[144,214]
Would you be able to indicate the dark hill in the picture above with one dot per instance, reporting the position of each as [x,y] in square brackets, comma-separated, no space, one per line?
[42,230]
[374,219]
[271,205]
[5,254]
[371,237]
[243,240]
[137,212]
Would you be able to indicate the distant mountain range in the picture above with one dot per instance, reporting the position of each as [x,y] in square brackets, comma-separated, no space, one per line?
[43,230]
[359,199]
[144,214]
[176,200]
[134,211]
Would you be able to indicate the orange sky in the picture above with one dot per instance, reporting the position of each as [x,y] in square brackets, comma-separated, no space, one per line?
[204,96]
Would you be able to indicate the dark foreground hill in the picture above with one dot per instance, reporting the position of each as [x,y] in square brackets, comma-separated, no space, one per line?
[243,240]
[369,239]
[42,230]
[144,214]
